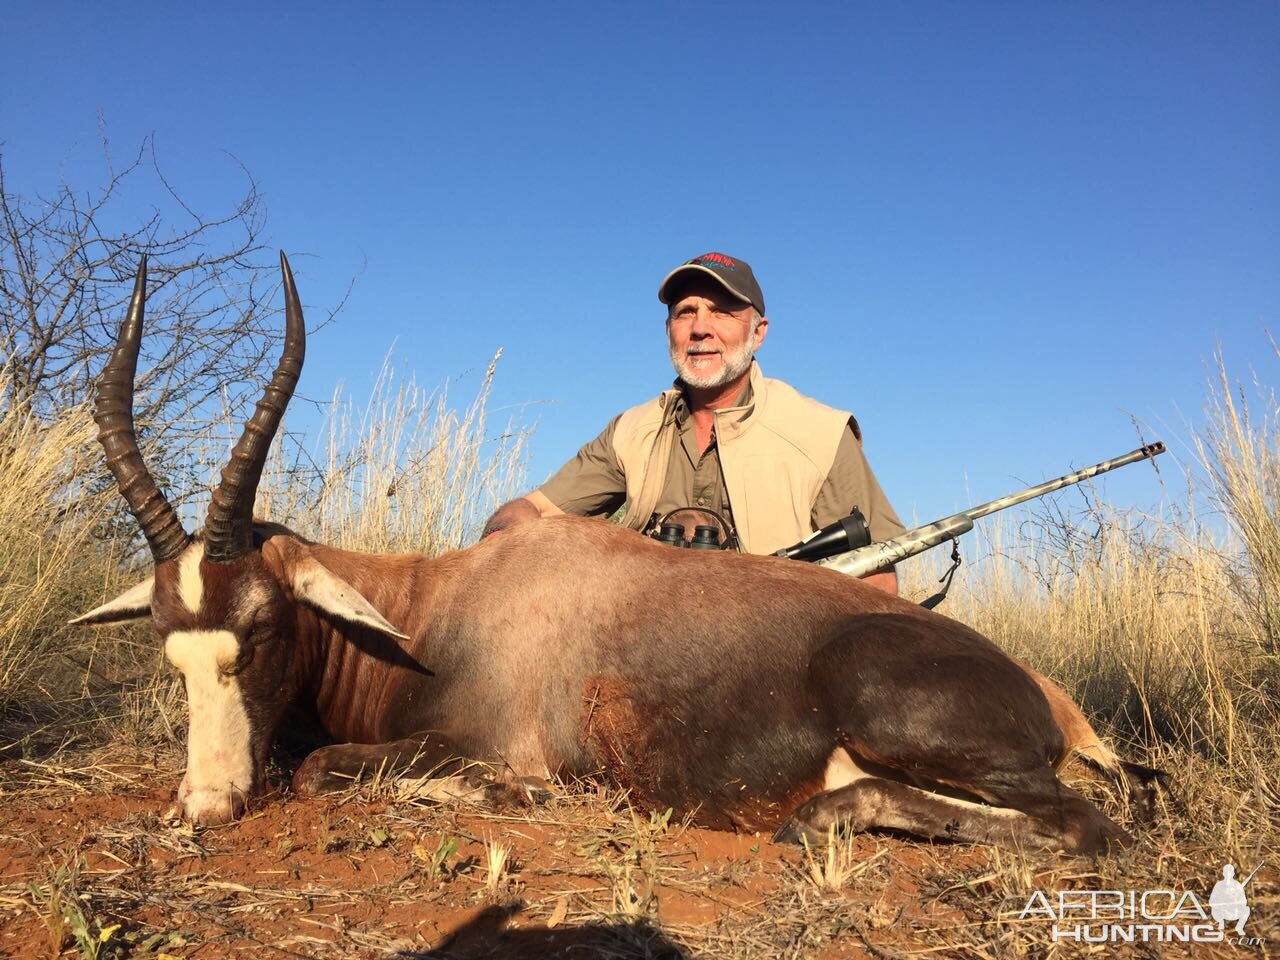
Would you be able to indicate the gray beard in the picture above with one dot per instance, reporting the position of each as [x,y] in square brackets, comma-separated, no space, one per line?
[734,365]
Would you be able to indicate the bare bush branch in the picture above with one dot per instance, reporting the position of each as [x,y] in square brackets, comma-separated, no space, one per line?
[65,264]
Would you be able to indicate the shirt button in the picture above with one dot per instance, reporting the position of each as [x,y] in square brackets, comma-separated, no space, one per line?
[702,501]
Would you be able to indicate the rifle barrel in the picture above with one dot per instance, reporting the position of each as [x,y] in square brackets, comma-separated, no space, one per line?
[1039,490]
[877,556]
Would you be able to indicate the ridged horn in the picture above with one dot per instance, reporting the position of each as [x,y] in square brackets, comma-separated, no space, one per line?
[113,413]
[229,523]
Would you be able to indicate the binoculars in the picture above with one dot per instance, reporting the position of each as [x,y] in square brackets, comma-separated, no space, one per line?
[847,533]
[705,536]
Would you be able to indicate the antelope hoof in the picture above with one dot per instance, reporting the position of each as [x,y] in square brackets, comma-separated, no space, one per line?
[531,791]
[797,832]
[311,779]
[1098,838]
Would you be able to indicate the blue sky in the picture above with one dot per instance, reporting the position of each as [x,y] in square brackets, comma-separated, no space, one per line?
[997,232]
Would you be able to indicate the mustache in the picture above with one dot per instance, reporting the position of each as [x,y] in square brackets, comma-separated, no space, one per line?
[692,351]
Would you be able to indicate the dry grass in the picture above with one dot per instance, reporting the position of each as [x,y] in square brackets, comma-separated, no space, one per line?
[1239,450]
[405,472]
[835,864]
[54,562]
[1163,625]
[497,864]
[1138,617]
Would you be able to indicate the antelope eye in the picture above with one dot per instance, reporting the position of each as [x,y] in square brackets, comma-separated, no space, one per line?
[244,657]
[262,626]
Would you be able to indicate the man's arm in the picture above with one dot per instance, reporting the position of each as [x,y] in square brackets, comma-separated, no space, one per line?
[851,482]
[886,580]
[590,484]
[532,506]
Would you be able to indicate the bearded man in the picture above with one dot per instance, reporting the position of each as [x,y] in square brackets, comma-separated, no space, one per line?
[775,464]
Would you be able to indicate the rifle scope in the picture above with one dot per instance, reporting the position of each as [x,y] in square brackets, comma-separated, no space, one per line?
[847,533]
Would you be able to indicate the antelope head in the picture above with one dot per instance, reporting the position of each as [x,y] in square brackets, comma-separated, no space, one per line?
[223,602]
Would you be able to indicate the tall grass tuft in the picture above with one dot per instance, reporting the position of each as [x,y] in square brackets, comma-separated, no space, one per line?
[1162,625]
[1240,451]
[53,562]
[406,471]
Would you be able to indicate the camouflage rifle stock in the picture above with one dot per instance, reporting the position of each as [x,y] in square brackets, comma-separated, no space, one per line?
[877,556]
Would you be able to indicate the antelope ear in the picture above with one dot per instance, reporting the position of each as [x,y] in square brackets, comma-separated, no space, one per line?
[315,584]
[133,604]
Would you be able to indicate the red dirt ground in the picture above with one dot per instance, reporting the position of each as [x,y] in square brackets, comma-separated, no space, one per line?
[304,878]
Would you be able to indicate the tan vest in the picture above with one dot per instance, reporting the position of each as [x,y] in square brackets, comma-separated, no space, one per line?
[775,454]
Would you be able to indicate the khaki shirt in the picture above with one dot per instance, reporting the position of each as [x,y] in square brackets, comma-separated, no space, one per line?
[592,483]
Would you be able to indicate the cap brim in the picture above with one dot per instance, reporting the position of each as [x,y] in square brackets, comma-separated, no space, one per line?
[691,267]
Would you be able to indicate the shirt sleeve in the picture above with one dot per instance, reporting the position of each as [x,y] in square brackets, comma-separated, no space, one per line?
[591,483]
[851,483]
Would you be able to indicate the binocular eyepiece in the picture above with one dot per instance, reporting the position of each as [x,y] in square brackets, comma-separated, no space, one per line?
[705,536]
[710,530]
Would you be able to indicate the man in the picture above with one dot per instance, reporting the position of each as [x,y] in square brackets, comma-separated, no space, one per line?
[776,464]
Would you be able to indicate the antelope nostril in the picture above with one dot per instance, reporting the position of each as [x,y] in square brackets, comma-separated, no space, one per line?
[213,807]
[216,818]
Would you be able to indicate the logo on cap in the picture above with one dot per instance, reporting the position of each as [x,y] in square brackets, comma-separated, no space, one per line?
[717,258]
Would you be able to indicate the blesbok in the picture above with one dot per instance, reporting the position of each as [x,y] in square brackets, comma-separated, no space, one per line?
[760,693]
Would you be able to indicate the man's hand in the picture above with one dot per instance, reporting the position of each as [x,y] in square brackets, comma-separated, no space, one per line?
[532,506]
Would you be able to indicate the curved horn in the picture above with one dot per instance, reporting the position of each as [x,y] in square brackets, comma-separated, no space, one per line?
[114,415]
[228,525]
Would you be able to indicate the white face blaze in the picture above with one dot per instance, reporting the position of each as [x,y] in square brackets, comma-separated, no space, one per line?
[190,584]
[219,773]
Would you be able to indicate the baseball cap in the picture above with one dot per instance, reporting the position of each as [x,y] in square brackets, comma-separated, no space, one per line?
[733,274]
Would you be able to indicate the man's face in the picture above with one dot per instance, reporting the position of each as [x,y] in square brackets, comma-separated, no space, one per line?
[711,335]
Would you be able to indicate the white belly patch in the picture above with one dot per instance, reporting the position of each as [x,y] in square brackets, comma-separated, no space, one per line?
[841,770]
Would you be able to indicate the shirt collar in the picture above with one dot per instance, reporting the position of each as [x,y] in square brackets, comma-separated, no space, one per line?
[743,399]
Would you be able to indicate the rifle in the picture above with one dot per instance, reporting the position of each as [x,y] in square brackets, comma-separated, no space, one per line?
[870,557]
